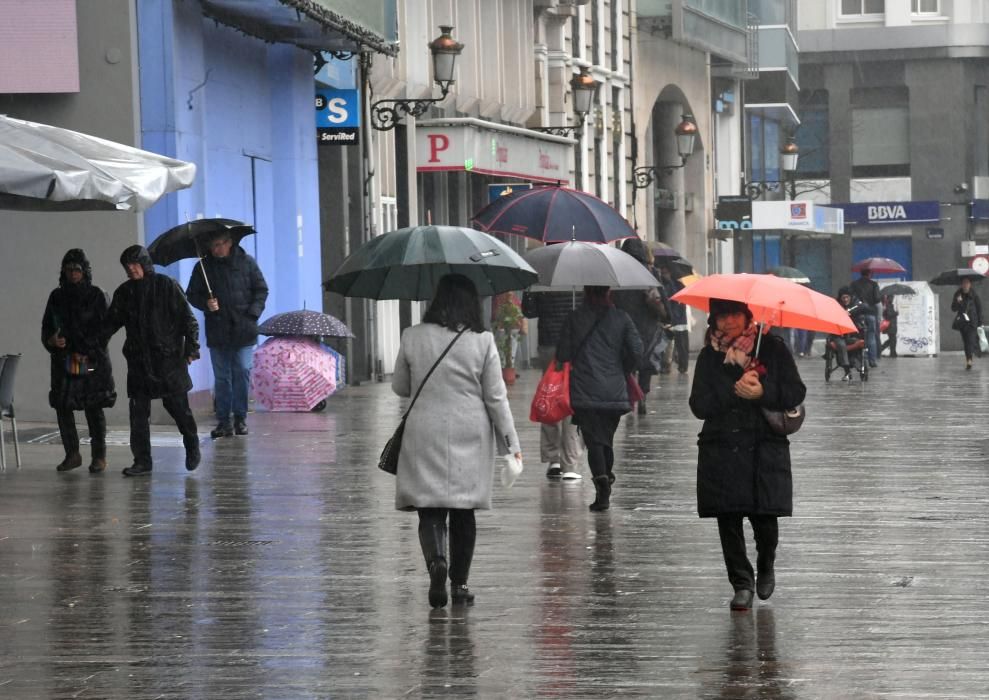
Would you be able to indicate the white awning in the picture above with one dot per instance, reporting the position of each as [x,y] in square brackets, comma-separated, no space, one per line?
[486,148]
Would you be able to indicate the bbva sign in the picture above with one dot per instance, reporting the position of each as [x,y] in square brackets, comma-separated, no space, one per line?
[886,212]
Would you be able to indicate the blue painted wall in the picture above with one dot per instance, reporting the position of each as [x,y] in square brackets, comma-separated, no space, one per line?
[227,101]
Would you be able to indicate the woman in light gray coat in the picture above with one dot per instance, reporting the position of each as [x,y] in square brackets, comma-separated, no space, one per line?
[462,416]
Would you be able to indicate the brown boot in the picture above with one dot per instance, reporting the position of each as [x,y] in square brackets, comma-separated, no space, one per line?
[71,461]
[98,465]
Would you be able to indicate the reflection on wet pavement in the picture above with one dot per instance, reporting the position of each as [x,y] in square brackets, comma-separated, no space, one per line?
[279,569]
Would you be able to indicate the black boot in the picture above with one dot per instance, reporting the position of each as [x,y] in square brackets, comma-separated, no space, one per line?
[603,488]
[766,580]
[432,539]
[463,535]
[742,600]
[71,461]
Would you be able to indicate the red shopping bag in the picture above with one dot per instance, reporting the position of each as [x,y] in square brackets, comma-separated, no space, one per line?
[551,404]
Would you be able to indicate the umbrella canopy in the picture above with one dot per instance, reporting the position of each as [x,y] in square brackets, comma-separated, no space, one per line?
[773,301]
[880,265]
[894,289]
[662,250]
[955,277]
[554,214]
[292,374]
[408,264]
[190,240]
[678,267]
[46,168]
[578,264]
[790,273]
[305,323]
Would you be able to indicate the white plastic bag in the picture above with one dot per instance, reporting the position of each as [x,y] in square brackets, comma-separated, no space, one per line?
[511,470]
[983,342]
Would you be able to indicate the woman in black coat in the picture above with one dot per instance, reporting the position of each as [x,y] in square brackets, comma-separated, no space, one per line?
[603,347]
[968,317]
[81,375]
[743,467]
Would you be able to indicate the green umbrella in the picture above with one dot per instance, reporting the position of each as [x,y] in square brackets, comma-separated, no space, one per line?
[790,273]
[408,263]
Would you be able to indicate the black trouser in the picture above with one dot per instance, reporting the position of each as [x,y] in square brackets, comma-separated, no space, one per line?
[96,421]
[644,377]
[732,531]
[177,406]
[681,349]
[970,340]
[463,533]
[890,343]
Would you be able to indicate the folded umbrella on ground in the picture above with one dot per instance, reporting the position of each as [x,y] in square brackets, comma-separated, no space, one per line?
[408,264]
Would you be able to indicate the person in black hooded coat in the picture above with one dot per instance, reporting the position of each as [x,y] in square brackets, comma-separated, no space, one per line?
[743,467]
[162,340]
[81,374]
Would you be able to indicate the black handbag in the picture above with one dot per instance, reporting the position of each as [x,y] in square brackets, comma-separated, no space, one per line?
[388,461]
[785,422]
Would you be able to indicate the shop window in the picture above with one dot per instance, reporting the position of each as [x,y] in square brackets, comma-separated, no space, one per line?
[814,162]
[764,149]
[925,7]
[853,8]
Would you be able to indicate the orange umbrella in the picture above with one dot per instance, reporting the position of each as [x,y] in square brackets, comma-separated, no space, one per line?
[774,301]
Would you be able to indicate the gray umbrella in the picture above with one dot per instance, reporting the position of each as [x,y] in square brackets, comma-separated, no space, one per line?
[305,323]
[579,264]
[897,288]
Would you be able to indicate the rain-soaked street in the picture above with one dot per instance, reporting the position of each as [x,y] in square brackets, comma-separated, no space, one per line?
[280,569]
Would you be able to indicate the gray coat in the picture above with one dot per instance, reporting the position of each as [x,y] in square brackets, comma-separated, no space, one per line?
[462,415]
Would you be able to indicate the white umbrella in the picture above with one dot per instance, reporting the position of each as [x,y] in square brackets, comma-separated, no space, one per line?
[47,168]
[578,264]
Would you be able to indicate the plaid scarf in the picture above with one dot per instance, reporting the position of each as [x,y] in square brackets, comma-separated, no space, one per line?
[739,351]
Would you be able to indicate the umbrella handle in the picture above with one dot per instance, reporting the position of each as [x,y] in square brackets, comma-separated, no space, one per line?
[202,268]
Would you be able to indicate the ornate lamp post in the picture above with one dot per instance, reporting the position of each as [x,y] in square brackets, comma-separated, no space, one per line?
[789,154]
[686,136]
[584,88]
[385,114]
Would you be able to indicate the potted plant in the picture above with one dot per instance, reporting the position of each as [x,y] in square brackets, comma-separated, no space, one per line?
[508,322]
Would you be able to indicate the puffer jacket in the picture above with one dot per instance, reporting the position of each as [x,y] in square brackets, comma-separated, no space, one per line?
[602,345]
[240,290]
[552,309]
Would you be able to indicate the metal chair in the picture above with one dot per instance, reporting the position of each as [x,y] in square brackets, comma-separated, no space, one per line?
[8,373]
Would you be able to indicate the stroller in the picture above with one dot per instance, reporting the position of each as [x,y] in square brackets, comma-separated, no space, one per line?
[847,351]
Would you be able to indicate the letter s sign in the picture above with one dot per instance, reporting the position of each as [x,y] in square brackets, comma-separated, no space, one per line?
[337,108]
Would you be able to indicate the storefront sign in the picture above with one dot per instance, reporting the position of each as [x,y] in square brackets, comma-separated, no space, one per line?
[808,217]
[338,117]
[935,233]
[486,148]
[980,209]
[870,213]
[733,213]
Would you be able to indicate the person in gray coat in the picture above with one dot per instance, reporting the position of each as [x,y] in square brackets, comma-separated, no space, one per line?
[603,347]
[462,416]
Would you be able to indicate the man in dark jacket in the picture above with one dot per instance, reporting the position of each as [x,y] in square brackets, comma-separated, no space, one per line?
[867,290]
[559,444]
[162,340]
[232,311]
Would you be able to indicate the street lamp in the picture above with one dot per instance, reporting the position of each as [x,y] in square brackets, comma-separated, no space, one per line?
[584,88]
[686,136]
[789,154]
[385,114]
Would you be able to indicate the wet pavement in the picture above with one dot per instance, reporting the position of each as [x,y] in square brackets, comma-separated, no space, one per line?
[279,569]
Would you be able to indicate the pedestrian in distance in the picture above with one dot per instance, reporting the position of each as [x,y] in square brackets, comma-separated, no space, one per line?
[866,290]
[560,448]
[231,314]
[743,467]
[889,315]
[603,347]
[968,317]
[679,348]
[650,312]
[462,416]
[81,373]
[162,341]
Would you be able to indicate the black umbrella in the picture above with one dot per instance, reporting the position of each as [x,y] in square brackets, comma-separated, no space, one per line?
[953,277]
[307,323]
[554,214]
[894,289]
[190,240]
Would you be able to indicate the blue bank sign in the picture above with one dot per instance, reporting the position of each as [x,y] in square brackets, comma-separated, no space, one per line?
[869,213]
[338,117]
